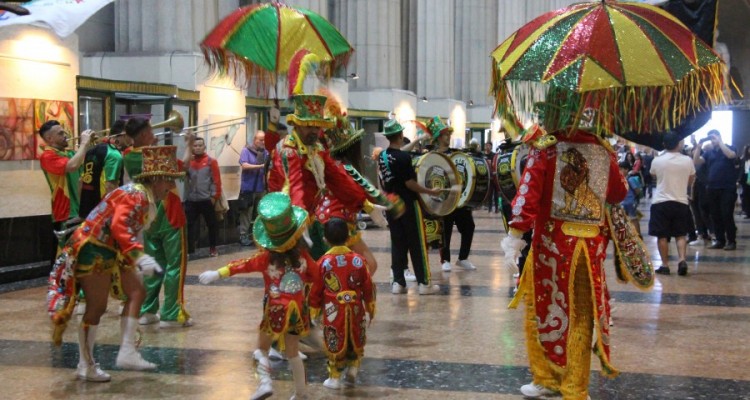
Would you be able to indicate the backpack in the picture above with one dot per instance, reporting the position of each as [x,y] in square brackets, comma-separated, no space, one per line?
[636,184]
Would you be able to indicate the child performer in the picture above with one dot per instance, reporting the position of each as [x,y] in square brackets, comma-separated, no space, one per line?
[344,292]
[287,267]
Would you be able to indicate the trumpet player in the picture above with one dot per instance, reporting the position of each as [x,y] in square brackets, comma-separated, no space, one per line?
[62,169]
[102,169]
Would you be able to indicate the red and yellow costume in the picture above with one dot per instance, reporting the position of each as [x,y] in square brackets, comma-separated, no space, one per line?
[562,195]
[344,294]
[286,308]
[63,185]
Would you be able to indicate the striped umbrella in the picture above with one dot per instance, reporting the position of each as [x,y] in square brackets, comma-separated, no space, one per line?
[613,66]
[255,44]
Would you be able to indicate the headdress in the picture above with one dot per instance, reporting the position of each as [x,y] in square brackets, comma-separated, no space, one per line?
[279,224]
[437,126]
[159,161]
[342,134]
[308,108]
[392,127]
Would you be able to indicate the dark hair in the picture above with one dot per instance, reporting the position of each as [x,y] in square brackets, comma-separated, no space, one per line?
[117,127]
[47,126]
[134,126]
[713,132]
[281,127]
[199,138]
[336,231]
[671,140]
[624,164]
[288,258]
[395,137]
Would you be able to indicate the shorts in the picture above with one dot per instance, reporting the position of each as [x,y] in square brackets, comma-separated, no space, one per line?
[669,219]
[94,259]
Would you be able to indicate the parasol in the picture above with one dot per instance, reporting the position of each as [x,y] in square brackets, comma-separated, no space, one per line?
[615,67]
[254,44]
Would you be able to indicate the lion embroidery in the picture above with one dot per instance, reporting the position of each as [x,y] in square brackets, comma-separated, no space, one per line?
[580,199]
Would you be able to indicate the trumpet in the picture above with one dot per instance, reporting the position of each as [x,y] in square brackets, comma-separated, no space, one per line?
[184,131]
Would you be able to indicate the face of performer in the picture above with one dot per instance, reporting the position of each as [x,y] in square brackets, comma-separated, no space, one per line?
[259,141]
[488,147]
[122,142]
[444,139]
[161,187]
[145,138]
[308,134]
[199,147]
[56,137]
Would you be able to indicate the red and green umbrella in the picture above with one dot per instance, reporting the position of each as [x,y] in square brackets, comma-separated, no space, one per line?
[616,66]
[256,43]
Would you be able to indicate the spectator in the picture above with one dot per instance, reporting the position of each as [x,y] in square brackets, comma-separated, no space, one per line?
[670,212]
[252,187]
[745,182]
[721,190]
[648,182]
[202,191]
[699,202]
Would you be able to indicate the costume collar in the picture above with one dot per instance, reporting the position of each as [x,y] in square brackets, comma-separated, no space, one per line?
[339,250]
[293,140]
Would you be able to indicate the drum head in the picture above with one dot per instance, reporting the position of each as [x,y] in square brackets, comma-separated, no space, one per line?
[474,177]
[435,170]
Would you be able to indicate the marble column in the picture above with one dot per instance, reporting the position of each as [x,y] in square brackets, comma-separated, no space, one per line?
[475,39]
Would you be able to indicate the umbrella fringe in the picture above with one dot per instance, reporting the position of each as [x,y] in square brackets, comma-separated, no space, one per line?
[641,109]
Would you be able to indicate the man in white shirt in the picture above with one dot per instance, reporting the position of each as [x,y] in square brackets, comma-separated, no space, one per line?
[670,213]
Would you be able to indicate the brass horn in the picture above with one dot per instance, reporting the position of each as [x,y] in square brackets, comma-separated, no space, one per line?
[174,122]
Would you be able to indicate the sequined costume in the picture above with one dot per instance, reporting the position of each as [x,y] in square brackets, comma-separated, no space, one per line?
[285,303]
[562,196]
[166,241]
[343,295]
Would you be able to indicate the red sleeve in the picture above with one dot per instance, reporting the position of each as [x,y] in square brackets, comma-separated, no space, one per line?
[272,137]
[53,163]
[216,175]
[368,290]
[296,183]
[316,291]
[618,186]
[127,221]
[525,208]
[257,263]
[341,184]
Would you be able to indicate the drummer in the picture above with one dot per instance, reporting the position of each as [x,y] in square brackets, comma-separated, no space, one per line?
[407,233]
[461,216]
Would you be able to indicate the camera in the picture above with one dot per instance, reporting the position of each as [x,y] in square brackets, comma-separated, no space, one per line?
[705,139]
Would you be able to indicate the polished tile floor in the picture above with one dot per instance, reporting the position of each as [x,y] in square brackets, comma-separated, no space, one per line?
[684,339]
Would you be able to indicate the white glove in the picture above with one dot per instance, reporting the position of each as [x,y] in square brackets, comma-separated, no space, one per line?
[512,246]
[208,277]
[148,266]
[377,216]
[274,114]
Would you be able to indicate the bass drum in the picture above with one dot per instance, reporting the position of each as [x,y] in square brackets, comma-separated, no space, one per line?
[435,170]
[508,167]
[475,176]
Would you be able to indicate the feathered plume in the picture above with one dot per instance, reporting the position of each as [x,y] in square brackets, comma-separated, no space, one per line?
[302,63]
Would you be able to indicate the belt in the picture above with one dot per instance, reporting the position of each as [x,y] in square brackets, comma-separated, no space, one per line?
[346,296]
[580,230]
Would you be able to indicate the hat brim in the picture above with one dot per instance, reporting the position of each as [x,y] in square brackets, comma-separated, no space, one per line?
[158,174]
[356,137]
[299,216]
[317,122]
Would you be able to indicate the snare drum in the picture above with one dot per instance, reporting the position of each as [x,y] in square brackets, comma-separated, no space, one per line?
[508,167]
[475,176]
[435,170]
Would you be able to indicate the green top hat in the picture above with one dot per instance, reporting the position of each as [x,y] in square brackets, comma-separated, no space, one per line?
[279,224]
[436,127]
[341,136]
[392,127]
[308,111]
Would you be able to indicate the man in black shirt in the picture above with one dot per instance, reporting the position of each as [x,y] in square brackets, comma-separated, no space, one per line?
[407,232]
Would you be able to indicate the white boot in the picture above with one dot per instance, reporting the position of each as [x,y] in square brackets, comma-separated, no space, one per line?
[298,373]
[263,369]
[129,357]
[88,369]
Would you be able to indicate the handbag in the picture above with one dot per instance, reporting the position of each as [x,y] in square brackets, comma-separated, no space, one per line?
[632,261]
[221,207]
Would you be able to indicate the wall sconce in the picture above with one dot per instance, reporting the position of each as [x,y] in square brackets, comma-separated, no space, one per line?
[353,76]
[424,99]
[471,103]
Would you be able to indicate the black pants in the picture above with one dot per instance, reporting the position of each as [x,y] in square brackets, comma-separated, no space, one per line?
[745,196]
[194,209]
[464,221]
[701,212]
[408,239]
[721,205]
[492,197]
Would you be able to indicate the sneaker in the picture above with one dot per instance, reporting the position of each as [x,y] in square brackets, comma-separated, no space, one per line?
[148,319]
[535,391]
[697,242]
[264,391]
[176,324]
[350,378]
[446,266]
[212,252]
[245,240]
[409,276]
[274,354]
[92,373]
[131,359]
[332,383]
[428,289]
[682,268]
[716,245]
[466,264]
[662,270]
[731,246]
[397,289]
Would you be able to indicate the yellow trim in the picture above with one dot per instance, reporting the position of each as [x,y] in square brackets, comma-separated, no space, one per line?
[110,85]
[338,250]
[224,272]
[580,230]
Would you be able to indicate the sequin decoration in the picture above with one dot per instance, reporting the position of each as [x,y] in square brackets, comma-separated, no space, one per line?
[581,178]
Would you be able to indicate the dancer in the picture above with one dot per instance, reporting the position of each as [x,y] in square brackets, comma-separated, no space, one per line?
[287,268]
[344,293]
[106,254]
[569,176]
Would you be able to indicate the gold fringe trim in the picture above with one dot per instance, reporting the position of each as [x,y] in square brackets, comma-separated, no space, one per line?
[320,123]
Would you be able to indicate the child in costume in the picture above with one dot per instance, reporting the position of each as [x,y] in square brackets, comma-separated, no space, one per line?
[344,293]
[106,255]
[287,269]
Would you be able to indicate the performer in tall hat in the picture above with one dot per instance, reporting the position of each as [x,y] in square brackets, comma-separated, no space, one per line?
[570,177]
[462,217]
[106,255]
[165,240]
